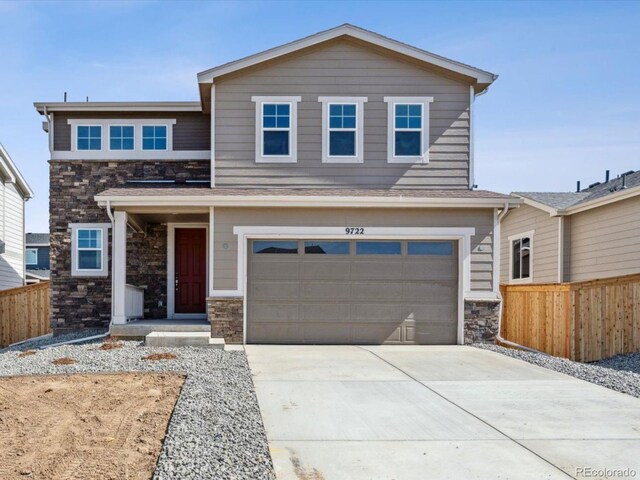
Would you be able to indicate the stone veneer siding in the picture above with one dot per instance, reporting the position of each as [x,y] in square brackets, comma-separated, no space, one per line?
[481,321]
[226,315]
[85,302]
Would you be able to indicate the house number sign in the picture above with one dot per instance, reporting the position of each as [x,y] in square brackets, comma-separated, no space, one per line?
[354,231]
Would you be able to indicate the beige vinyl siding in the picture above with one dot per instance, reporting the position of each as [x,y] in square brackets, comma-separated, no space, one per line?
[225,252]
[545,242]
[605,241]
[342,69]
[192,130]
[12,233]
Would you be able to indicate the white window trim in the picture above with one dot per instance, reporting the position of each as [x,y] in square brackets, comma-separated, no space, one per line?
[27,250]
[78,272]
[359,103]
[391,103]
[120,125]
[74,136]
[293,129]
[105,123]
[511,239]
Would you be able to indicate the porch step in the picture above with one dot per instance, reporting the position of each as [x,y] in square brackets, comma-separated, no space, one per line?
[183,339]
[142,328]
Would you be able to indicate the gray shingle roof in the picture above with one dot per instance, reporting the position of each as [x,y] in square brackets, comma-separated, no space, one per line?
[562,200]
[37,239]
[39,272]
[328,192]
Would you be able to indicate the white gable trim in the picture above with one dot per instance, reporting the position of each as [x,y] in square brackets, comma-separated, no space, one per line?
[480,76]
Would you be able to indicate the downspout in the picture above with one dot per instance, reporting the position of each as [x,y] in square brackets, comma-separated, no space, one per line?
[108,332]
[497,250]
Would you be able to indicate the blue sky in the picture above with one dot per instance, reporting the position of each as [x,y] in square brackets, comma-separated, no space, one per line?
[566,106]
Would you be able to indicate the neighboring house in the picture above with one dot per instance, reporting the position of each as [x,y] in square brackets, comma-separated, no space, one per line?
[37,257]
[318,192]
[567,237]
[14,192]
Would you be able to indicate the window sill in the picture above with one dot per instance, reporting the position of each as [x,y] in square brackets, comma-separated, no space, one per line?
[415,160]
[276,160]
[520,281]
[343,160]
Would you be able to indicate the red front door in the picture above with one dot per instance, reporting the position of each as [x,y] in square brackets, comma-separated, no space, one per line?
[191,266]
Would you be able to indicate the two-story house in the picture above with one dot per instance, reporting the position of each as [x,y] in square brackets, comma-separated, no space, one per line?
[14,193]
[318,192]
[36,257]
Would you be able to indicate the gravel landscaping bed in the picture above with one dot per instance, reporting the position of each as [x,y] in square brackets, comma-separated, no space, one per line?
[216,430]
[51,340]
[616,373]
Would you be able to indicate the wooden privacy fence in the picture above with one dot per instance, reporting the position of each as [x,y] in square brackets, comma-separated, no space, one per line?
[24,313]
[582,321]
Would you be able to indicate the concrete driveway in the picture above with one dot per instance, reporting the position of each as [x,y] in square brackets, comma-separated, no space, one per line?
[342,412]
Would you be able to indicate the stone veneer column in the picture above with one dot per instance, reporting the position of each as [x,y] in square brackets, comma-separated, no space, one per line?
[226,315]
[481,319]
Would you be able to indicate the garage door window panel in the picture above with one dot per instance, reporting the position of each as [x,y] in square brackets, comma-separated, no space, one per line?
[430,248]
[378,248]
[277,247]
[326,248]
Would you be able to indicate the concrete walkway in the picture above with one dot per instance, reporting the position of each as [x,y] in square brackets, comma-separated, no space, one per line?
[404,413]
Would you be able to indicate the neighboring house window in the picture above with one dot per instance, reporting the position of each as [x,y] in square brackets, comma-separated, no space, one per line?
[154,137]
[121,137]
[32,256]
[521,257]
[342,129]
[276,129]
[89,137]
[408,129]
[88,245]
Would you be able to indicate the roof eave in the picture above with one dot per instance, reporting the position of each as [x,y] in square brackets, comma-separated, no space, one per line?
[482,78]
[599,202]
[118,106]
[13,174]
[301,201]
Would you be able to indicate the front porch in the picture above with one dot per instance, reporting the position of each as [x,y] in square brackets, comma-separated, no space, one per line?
[137,329]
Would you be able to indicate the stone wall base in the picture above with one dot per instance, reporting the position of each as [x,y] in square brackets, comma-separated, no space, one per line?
[481,319]
[226,315]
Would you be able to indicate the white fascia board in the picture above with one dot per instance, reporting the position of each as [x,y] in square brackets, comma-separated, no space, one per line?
[297,201]
[599,202]
[480,76]
[118,106]
[12,173]
[540,206]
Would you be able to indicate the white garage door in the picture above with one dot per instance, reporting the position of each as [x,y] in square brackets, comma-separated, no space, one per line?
[352,292]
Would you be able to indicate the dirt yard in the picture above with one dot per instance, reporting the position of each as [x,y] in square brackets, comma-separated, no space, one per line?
[84,426]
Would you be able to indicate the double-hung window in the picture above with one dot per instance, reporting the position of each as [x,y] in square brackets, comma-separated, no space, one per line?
[154,137]
[121,137]
[408,129]
[342,129]
[88,249]
[276,129]
[88,137]
[521,250]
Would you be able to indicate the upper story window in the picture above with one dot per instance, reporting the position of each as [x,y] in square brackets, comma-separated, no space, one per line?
[31,256]
[139,138]
[342,129]
[276,129]
[121,137]
[154,137]
[521,253]
[408,129]
[89,137]
[88,248]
